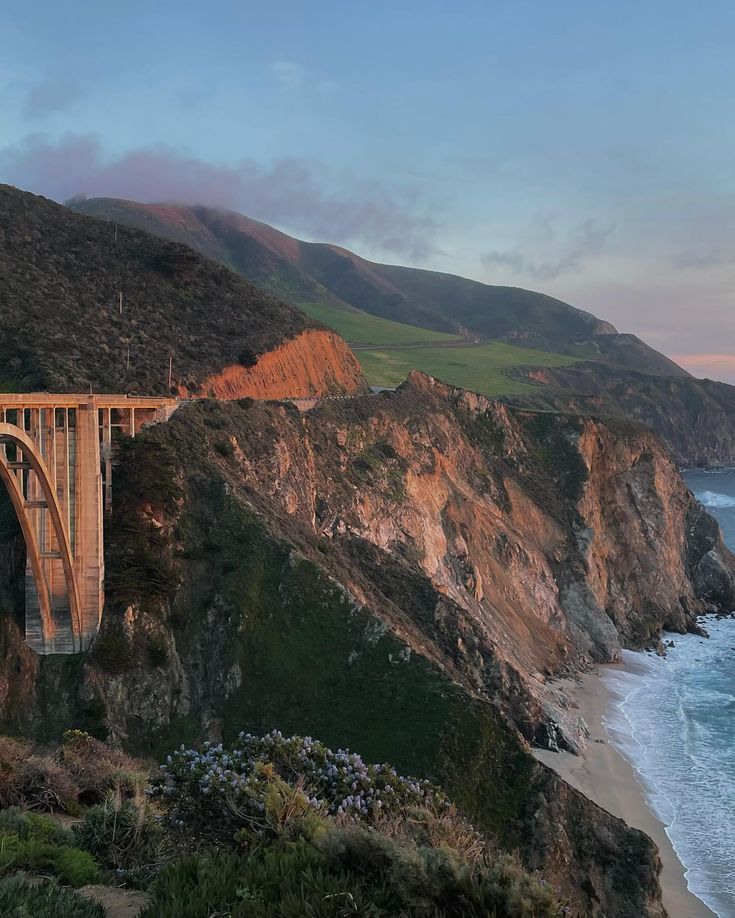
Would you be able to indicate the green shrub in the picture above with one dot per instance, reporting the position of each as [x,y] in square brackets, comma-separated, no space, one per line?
[126,836]
[353,871]
[70,865]
[285,879]
[32,826]
[21,899]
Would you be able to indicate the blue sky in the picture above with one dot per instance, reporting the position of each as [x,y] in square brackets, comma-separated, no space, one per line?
[582,149]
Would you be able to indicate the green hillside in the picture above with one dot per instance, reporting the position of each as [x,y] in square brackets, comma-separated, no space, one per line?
[480,368]
[363,328]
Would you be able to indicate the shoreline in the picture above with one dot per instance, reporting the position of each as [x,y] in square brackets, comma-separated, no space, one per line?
[605,776]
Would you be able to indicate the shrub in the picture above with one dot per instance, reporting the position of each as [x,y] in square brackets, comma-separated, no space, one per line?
[43,784]
[13,753]
[126,836]
[69,865]
[217,791]
[25,826]
[44,900]
[81,771]
[346,871]
[285,879]
[97,768]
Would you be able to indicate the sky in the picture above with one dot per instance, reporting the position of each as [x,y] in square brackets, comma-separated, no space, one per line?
[583,149]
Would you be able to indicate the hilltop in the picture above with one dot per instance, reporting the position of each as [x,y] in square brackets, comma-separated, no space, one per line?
[519,345]
[83,305]
[328,278]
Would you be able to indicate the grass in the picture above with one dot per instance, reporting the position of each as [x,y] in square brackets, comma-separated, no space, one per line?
[363,328]
[480,369]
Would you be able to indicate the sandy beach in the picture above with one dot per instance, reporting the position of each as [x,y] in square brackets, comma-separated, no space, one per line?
[603,775]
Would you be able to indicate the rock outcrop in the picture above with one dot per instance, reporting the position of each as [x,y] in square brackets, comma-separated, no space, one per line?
[316,362]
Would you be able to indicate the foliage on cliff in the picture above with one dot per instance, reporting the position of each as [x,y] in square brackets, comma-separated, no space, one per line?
[254,831]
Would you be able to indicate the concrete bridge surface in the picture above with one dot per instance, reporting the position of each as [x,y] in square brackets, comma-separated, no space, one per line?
[56,463]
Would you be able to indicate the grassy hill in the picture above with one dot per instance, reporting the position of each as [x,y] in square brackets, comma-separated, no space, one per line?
[347,292]
[480,368]
[360,328]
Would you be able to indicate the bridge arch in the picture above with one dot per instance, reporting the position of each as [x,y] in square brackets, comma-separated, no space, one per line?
[10,433]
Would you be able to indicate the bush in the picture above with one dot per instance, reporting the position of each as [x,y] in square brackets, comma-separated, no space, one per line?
[44,900]
[25,826]
[126,836]
[43,784]
[346,871]
[97,768]
[81,771]
[215,791]
[286,879]
[70,865]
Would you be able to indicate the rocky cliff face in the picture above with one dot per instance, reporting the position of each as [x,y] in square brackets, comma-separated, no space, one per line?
[314,363]
[406,574]
[694,417]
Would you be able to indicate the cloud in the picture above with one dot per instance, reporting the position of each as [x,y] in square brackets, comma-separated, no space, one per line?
[289,74]
[719,366]
[587,240]
[49,96]
[299,195]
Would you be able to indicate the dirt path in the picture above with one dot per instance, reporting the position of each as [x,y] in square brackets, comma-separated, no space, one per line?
[117,902]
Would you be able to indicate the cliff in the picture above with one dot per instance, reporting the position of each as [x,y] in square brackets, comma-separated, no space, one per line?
[694,417]
[314,363]
[406,574]
[86,305]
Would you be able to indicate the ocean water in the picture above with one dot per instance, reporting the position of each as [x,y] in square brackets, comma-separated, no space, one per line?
[674,719]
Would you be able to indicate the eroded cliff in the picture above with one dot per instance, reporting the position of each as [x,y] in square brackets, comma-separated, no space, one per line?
[316,362]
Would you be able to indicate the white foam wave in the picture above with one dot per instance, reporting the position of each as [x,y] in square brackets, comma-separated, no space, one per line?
[672,719]
[714,499]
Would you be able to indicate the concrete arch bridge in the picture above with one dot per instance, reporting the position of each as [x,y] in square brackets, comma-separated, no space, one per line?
[56,464]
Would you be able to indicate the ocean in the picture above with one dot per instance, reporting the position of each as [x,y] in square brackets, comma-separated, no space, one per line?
[674,719]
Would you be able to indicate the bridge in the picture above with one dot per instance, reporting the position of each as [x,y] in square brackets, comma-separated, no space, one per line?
[56,464]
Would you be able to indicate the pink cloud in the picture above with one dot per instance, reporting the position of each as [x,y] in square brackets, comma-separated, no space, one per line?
[294,193]
[722,366]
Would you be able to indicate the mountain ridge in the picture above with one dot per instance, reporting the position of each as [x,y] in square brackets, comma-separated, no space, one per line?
[304,271]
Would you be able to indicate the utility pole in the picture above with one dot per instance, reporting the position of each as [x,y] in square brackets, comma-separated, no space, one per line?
[170,369]
[121,302]
[115,239]
[127,360]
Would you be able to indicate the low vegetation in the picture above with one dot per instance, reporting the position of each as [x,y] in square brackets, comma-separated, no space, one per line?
[61,278]
[79,772]
[362,328]
[271,826]
[45,899]
[480,368]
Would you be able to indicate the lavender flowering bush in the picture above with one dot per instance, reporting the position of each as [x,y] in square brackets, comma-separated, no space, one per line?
[264,780]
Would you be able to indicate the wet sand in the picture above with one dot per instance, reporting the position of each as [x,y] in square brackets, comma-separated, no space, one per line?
[603,775]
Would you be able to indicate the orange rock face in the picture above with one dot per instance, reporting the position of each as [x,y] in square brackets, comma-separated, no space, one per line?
[315,363]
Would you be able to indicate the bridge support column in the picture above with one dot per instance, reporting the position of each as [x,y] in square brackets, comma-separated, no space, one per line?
[89,548]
